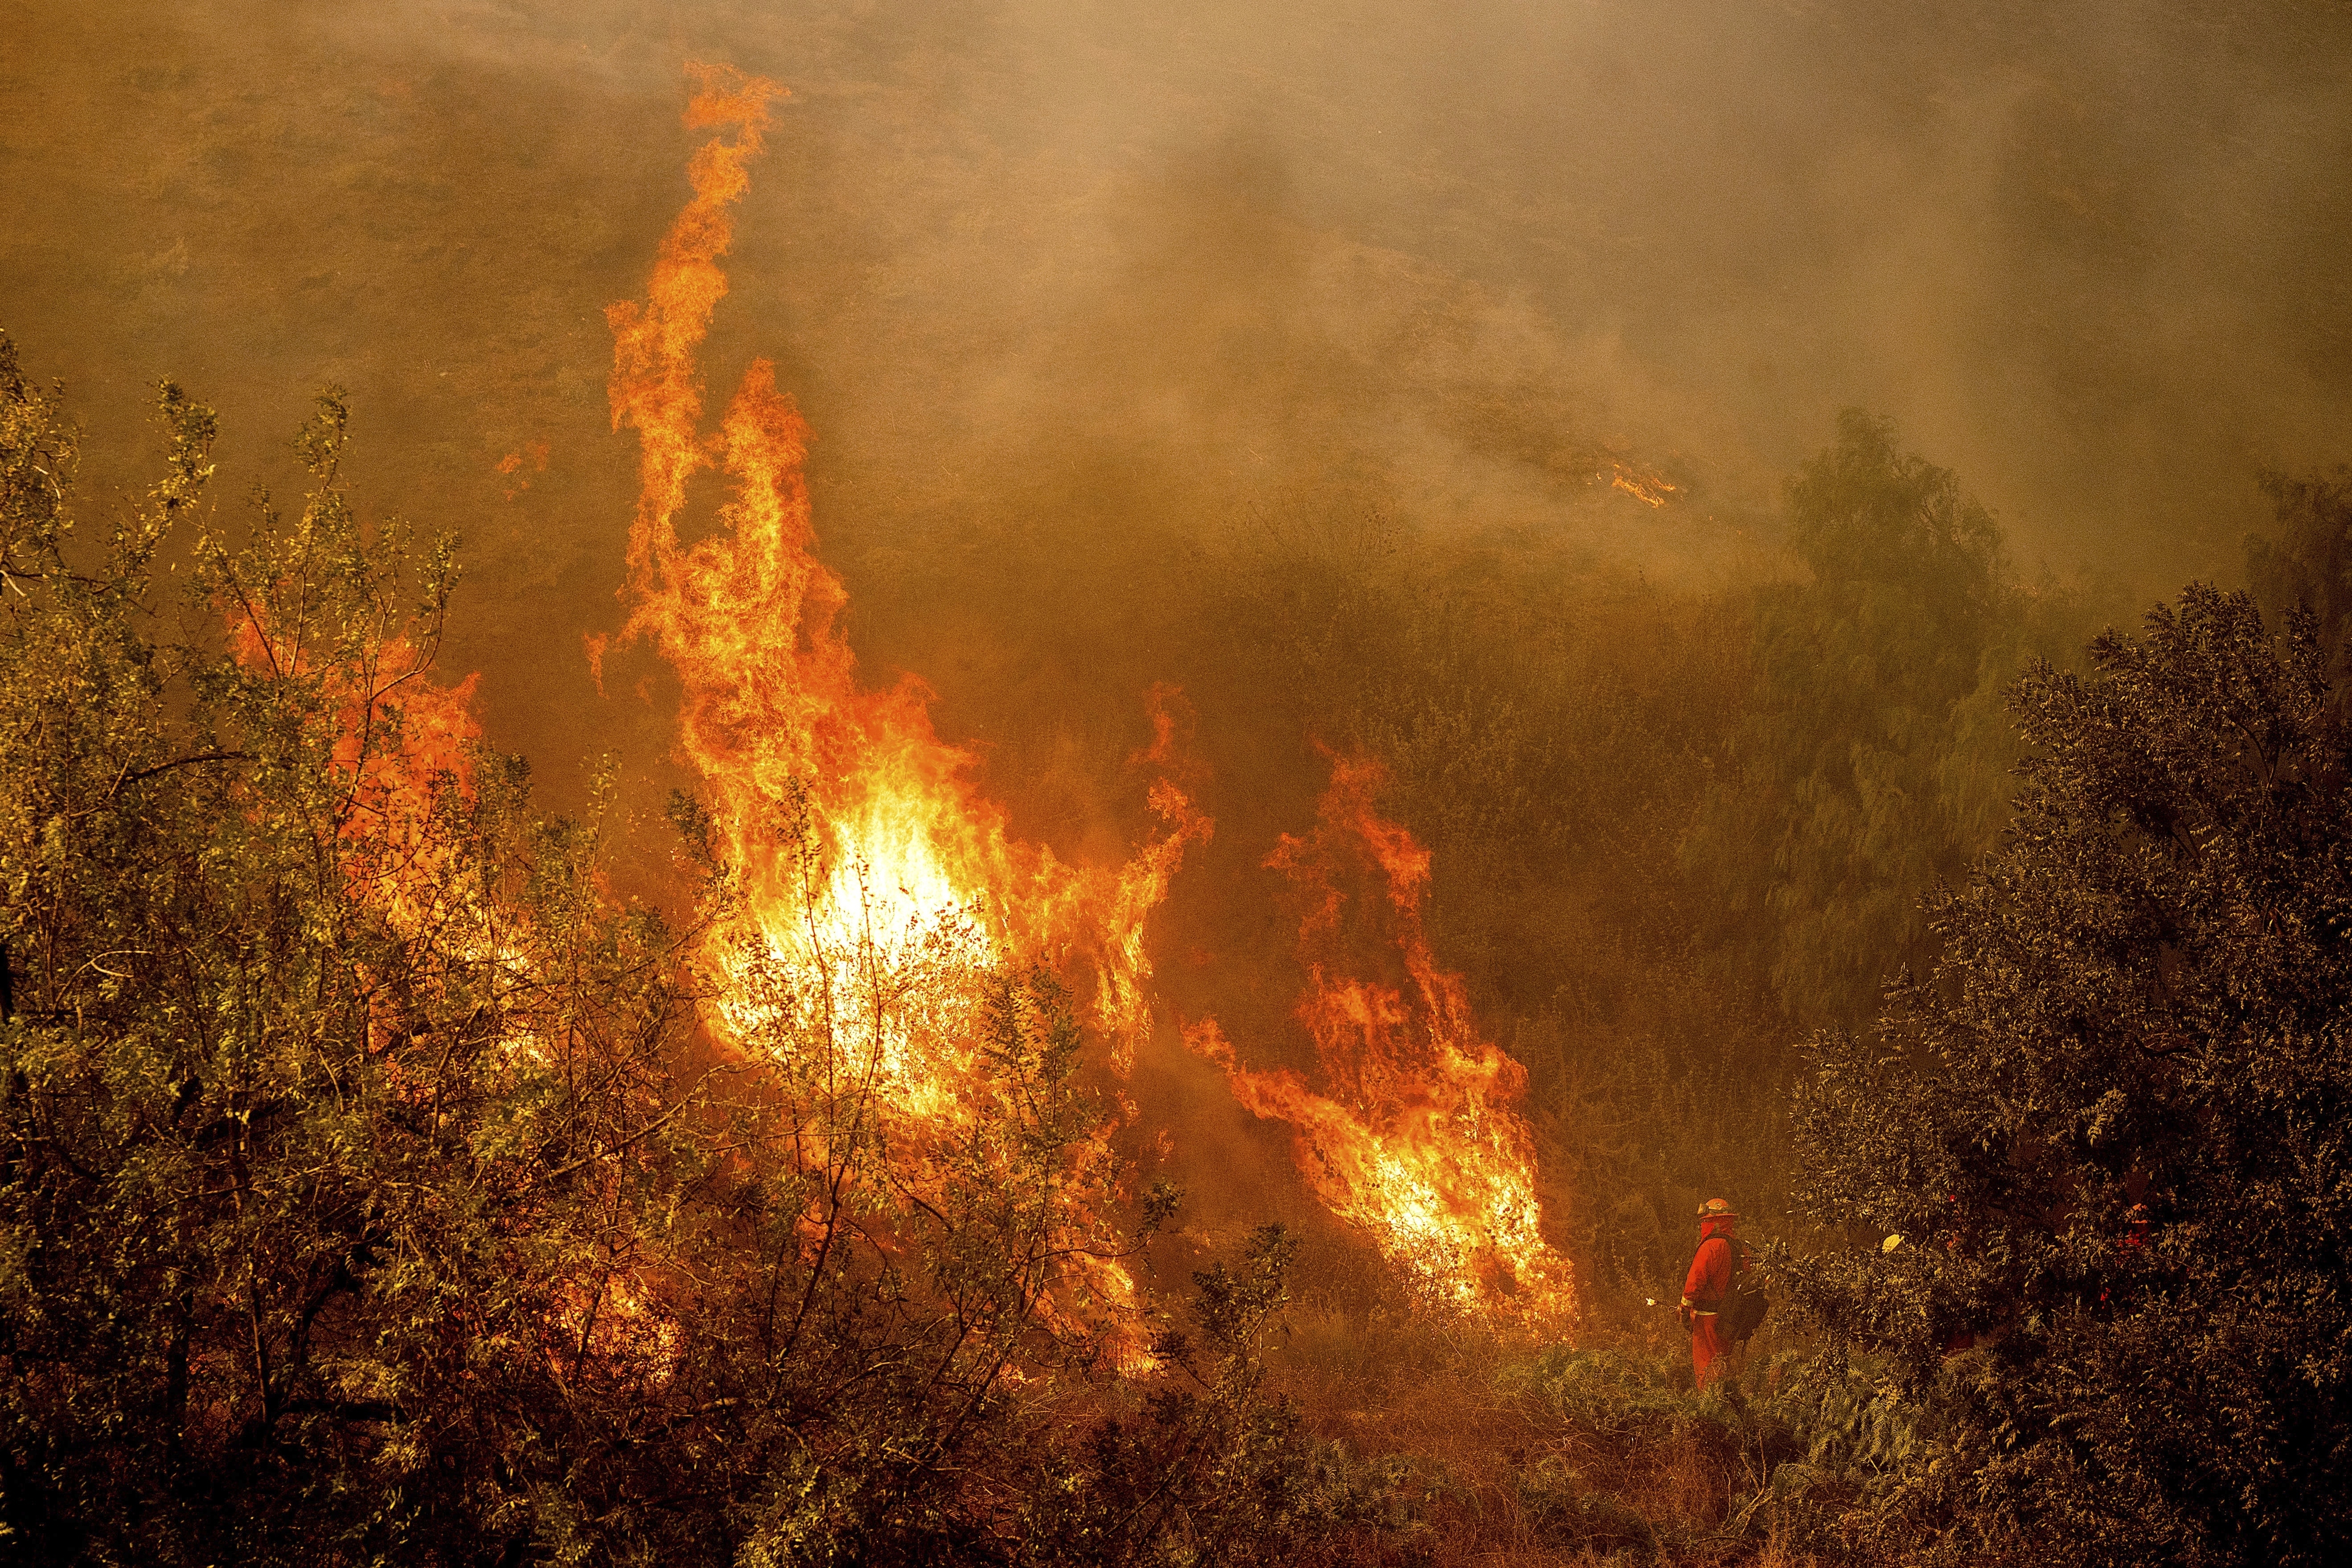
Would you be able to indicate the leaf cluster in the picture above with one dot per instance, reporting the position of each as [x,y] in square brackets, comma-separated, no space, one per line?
[2096,1169]
[1871,759]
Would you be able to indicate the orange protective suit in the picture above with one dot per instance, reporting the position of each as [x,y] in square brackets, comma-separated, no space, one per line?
[1708,1282]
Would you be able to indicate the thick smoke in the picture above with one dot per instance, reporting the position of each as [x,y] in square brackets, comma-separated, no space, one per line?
[1125,267]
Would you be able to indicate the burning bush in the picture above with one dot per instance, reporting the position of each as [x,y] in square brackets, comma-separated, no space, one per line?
[320,1050]
[367,1186]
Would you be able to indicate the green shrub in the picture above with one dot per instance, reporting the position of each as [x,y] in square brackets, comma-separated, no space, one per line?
[2111,1138]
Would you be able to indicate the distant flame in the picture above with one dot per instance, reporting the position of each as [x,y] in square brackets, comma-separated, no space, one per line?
[921,873]
[1644,485]
[1414,1139]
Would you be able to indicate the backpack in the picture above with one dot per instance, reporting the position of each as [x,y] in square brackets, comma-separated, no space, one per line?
[1744,1305]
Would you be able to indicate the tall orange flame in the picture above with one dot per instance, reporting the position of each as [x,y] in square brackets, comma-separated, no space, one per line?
[917,862]
[1416,1142]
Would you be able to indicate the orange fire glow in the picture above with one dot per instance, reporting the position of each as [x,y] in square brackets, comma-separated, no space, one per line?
[921,887]
[1416,1142]
[1644,485]
[398,735]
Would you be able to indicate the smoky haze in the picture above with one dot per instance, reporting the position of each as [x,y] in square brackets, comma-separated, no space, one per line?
[1074,296]
[1048,271]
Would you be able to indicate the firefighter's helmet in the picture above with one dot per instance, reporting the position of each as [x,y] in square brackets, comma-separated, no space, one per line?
[1716,1208]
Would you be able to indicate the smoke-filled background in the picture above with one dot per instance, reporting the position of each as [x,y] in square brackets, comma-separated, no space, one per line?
[1413,378]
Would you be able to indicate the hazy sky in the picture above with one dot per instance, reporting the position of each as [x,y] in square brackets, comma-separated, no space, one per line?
[1086,270]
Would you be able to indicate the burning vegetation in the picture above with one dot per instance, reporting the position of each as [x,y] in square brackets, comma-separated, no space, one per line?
[1418,1141]
[873,883]
[873,893]
[378,1183]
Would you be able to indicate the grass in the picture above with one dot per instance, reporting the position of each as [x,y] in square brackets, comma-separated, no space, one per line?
[1468,1449]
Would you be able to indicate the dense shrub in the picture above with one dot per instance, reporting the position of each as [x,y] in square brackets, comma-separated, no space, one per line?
[368,1192]
[2108,1143]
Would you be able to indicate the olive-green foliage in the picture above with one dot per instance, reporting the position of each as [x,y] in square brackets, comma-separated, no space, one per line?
[1671,827]
[368,1194]
[2142,1000]
[309,1083]
[1204,1470]
[1871,761]
[1792,1447]
[1545,728]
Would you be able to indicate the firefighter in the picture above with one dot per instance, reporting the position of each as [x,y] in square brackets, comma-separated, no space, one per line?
[1712,1269]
